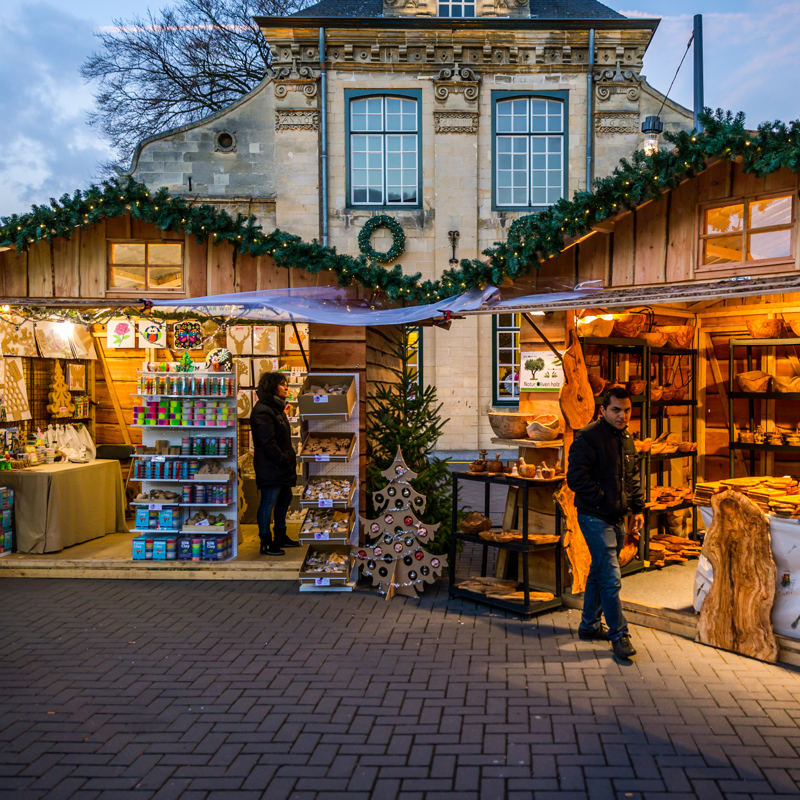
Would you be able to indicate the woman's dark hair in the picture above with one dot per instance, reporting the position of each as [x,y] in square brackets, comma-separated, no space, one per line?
[269,382]
[620,392]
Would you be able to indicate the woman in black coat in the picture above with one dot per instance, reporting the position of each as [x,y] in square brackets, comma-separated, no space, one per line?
[274,460]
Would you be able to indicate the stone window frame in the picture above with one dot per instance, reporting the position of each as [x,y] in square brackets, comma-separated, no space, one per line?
[497,331]
[745,267]
[360,94]
[499,95]
[449,4]
[124,290]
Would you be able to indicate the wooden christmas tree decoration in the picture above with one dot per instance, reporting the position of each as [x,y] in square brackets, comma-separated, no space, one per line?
[61,404]
[396,559]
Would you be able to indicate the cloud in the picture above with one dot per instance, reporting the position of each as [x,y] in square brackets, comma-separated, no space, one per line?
[744,53]
[48,147]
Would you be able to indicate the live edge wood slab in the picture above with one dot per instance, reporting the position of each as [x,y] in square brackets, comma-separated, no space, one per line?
[736,613]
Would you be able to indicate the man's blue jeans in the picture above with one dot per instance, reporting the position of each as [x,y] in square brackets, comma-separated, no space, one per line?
[605,580]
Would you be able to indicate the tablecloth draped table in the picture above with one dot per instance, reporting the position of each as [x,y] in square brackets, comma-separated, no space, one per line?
[785,538]
[58,505]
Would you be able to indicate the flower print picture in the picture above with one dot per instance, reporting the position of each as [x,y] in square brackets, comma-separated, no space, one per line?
[120,333]
[188,336]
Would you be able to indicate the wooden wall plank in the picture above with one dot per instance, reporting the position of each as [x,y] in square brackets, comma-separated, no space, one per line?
[93,261]
[246,273]
[270,276]
[220,269]
[745,183]
[299,278]
[651,242]
[593,256]
[560,268]
[144,230]
[714,183]
[40,282]
[782,179]
[16,273]
[624,246]
[681,232]
[67,257]
[119,227]
[340,356]
[196,265]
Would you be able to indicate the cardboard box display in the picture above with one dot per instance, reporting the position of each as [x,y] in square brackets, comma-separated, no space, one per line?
[311,407]
[310,573]
[315,501]
[308,536]
[341,455]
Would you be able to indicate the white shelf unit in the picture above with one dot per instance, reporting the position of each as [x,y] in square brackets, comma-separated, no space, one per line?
[174,434]
[336,424]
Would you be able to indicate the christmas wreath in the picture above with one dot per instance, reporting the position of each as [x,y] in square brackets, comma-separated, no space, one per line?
[398,239]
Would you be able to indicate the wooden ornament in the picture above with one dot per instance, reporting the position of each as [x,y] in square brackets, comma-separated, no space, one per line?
[575,546]
[576,396]
[61,404]
[736,614]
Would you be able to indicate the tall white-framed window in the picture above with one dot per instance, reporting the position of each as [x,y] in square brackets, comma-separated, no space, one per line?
[530,152]
[456,8]
[384,151]
[505,351]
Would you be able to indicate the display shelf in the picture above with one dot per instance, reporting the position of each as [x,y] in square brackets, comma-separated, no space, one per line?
[764,395]
[345,503]
[766,448]
[159,531]
[179,505]
[528,443]
[669,456]
[666,403]
[632,567]
[202,479]
[519,546]
[636,399]
[615,341]
[165,457]
[315,458]
[185,427]
[186,396]
[524,608]
[669,509]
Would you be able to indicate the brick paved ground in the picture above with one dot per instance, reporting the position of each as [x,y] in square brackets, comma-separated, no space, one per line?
[201,689]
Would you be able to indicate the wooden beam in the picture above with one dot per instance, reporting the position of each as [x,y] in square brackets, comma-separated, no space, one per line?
[748,310]
[112,391]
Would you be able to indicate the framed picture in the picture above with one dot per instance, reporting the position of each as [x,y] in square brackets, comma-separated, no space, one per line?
[152,334]
[82,343]
[53,339]
[262,365]
[120,332]
[244,403]
[244,371]
[18,337]
[240,339]
[540,371]
[266,341]
[291,342]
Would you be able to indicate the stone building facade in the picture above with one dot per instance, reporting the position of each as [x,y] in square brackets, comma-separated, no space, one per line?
[484,116]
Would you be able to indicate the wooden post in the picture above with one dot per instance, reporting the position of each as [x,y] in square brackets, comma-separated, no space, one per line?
[112,391]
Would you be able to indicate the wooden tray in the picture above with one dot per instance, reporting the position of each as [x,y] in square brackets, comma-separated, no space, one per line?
[315,458]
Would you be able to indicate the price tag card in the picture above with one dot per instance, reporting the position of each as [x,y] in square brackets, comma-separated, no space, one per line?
[322,535]
[322,457]
[160,459]
[325,503]
[202,522]
[320,398]
[62,410]
[293,419]
[322,581]
[155,506]
[153,398]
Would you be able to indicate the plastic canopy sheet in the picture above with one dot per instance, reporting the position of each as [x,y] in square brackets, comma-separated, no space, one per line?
[785,536]
[326,305]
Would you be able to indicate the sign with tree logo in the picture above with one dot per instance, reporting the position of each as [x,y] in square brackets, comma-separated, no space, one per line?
[540,371]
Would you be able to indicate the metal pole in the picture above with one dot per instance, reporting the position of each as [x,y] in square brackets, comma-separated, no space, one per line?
[324,142]
[699,102]
[590,114]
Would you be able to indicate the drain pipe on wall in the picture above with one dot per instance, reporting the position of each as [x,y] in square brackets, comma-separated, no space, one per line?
[699,101]
[590,114]
[324,138]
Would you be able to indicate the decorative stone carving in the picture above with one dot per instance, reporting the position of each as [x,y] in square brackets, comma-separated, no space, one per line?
[612,123]
[296,120]
[296,79]
[457,80]
[618,81]
[455,121]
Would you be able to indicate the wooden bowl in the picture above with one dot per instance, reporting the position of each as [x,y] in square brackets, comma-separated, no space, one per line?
[628,326]
[755,381]
[474,523]
[597,383]
[544,428]
[636,386]
[668,393]
[765,328]
[680,393]
[785,385]
[678,335]
[598,327]
[509,425]
[656,392]
[687,447]
[794,324]
[654,338]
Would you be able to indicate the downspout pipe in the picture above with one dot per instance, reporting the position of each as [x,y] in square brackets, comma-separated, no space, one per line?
[590,114]
[324,137]
[699,100]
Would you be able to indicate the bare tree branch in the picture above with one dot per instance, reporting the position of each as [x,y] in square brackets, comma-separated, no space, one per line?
[177,66]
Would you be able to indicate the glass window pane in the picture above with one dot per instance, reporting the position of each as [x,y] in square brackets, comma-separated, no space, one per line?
[161,254]
[127,253]
[394,160]
[127,277]
[775,211]
[772,244]
[375,196]
[359,195]
[505,320]
[538,124]
[726,219]
[539,197]
[359,122]
[722,250]
[165,278]
[504,196]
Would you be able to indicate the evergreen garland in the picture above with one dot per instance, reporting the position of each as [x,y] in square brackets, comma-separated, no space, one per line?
[531,239]
[398,239]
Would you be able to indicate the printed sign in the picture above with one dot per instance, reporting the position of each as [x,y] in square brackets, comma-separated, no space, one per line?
[325,503]
[322,581]
[540,371]
[320,398]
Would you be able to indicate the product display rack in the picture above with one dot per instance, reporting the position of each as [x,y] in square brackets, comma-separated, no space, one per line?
[335,424]
[751,397]
[651,412]
[167,433]
[525,609]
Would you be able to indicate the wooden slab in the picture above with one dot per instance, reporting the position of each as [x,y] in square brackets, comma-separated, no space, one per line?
[736,613]
[574,544]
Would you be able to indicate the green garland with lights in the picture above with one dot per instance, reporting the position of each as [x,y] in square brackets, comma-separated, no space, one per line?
[398,239]
[532,239]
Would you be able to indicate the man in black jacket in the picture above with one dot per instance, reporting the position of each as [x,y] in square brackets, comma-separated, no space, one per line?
[274,460]
[604,475]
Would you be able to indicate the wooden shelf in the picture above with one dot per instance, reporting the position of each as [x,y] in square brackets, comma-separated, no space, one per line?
[766,448]
[536,607]
[765,395]
[555,443]
[520,546]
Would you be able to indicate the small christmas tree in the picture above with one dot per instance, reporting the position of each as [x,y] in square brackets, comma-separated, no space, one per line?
[396,559]
[61,404]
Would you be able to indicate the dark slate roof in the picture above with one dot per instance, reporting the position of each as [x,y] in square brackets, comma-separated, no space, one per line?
[540,9]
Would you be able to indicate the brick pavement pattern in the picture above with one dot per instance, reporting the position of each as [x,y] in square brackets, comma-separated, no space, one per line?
[167,689]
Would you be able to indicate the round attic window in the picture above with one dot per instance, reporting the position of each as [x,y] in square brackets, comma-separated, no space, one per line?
[225,141]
